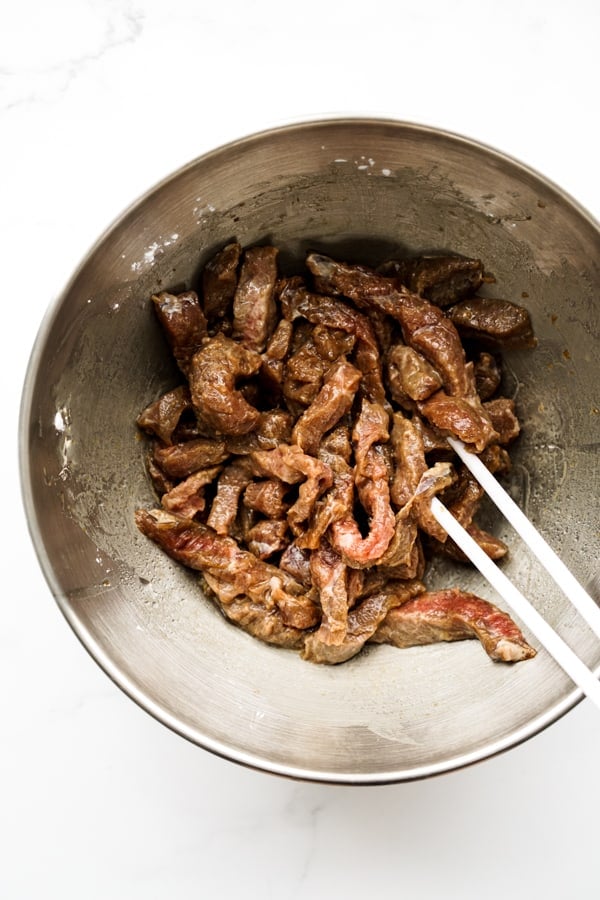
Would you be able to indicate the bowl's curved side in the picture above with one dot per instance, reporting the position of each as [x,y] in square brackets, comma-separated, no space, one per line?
[363,189]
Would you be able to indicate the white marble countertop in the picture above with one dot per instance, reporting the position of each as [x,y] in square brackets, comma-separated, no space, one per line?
[99,99]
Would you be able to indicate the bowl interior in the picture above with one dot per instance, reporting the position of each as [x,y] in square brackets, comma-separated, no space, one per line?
[362,190]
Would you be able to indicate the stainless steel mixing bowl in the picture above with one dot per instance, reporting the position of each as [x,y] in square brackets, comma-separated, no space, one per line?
[360,189]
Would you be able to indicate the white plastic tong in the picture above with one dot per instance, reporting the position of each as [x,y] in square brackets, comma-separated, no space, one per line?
[583,677]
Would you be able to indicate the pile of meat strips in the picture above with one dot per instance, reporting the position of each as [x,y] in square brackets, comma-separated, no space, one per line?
[296,462]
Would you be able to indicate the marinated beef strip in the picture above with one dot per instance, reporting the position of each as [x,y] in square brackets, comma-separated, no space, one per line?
[280,341]
[404,555]
[219,281]
[413,565]
[161,483]
[497,322]
[187,498]
[254,308]
[232,482]
[181,460]
[274,428]
[461,417]
[296,562]
[363,622]
[329,576]
[364,582]
[409,459]
[409,467]
[503,418]
[267,497]
[433,481]
[298,302]
[183,323]
[371,478]
[496,459]
[214,372]
[400,553]
[272,367]
[246,520]
[434,441]
[292,466]
[487,375]
[491,545]
[454,615]
[332,402]
[266,624]
[441,279]
[303,373]
[462,499]
[336,503]
[409,375]
[162,417]
[267,537]
[332,343]
[239,572]
[337,443]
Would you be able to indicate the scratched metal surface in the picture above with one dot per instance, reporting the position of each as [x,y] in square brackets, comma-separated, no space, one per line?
[361,189]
